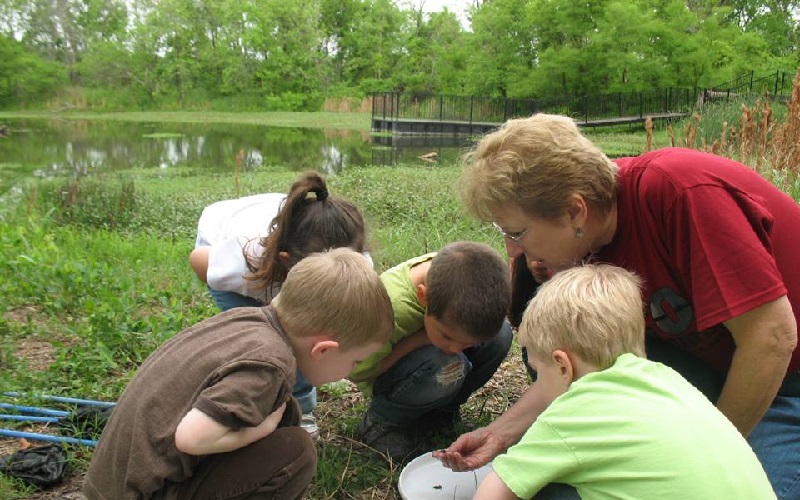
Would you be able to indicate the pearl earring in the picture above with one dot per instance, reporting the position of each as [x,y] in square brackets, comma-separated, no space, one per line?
[579,233]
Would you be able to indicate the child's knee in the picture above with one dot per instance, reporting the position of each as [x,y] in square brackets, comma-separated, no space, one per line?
[452,372]
[299,462]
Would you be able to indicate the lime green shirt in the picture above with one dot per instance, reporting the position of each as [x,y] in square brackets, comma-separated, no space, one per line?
[637,430]
[409,317]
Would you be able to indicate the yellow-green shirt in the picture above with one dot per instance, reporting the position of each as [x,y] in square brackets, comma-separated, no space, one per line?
[409,317]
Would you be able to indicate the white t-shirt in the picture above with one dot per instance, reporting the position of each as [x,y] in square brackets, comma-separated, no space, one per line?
[227,227]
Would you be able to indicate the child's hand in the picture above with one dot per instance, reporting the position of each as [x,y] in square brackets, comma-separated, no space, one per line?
[199,434]
[269,424]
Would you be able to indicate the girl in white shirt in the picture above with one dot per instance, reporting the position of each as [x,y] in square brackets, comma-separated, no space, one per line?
[246,246]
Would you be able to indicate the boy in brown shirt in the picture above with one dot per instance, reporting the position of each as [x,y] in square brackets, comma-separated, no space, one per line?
[211,411]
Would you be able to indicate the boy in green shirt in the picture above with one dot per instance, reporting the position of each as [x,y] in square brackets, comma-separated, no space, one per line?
[449,338]
[616,424]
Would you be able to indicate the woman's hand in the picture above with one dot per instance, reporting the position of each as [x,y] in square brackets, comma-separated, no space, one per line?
[472,450]
[479,447]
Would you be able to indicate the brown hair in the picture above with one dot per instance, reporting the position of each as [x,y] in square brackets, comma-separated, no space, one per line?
[309,220]
[468,287]
[593,311]
[336,292]
[536,163]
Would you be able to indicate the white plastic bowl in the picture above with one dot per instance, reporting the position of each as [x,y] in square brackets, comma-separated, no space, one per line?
[425,478]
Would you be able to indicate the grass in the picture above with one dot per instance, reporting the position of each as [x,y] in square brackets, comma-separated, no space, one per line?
[100,279]
[321,119]
[96,277]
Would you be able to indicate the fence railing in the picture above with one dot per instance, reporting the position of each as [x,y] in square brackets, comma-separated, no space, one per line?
[776,84]
[635,105]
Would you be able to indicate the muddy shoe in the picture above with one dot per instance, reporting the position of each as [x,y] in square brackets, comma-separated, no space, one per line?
[397,442]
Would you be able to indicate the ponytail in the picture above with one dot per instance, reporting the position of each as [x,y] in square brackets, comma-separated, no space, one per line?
[309,220]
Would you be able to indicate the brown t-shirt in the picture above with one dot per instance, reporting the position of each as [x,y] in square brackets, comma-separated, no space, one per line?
[236,367]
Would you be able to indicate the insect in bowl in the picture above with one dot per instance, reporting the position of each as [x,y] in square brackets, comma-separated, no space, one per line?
[425,478]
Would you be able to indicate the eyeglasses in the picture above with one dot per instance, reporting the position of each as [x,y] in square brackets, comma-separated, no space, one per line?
[515,237]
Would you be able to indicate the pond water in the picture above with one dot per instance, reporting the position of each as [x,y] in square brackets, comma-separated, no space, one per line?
[74,147]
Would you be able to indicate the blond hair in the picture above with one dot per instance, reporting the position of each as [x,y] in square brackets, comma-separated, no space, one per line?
[336,292]
[536,163]
[593,311]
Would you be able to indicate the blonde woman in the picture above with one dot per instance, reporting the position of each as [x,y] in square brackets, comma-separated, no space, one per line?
[714,243]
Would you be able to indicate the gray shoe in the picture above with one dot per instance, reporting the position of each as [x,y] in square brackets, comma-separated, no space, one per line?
[309,423]
[397,442]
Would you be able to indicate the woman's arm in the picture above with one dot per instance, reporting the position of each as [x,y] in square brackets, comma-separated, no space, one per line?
[765,340]
[199,434]
[198,259]
[479,447]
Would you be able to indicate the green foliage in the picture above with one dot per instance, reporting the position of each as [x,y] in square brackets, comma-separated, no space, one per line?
[278,55]
[24,76]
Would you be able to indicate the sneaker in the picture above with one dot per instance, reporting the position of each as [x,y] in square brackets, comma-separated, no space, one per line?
[309,422]
[397,442]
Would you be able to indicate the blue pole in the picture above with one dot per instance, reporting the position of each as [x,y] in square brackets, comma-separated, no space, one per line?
[46,437]
[28,418]
[60,399]
[35,410]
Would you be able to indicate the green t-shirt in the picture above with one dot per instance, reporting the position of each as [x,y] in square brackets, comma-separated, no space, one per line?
[637,430]
[409,317]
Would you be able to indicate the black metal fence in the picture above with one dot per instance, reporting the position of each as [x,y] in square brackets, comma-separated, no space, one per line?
[778,84]
[595,108]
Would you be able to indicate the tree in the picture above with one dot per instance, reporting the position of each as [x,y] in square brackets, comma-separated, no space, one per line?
[505,47]
[24,75]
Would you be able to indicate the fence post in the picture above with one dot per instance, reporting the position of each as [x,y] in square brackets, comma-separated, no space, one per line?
[586,108]
[783,81]
[441,107]
[395,109]
[777,74]
[751,80]
[471,104]
[641,104]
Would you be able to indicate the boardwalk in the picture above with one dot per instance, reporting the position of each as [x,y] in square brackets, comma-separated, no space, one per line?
[461,127]
[435,114]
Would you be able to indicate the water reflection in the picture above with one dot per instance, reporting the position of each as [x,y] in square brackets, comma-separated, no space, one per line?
[68,147]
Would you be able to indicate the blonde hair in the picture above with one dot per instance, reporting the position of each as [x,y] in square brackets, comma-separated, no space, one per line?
[593,311]
[336,292]
[536,163]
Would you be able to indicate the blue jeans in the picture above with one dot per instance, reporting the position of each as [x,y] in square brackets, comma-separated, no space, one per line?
[425,380]
[776,438]
[303,391]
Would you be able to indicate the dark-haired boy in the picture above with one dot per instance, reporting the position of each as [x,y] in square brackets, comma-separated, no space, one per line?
[449,338]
